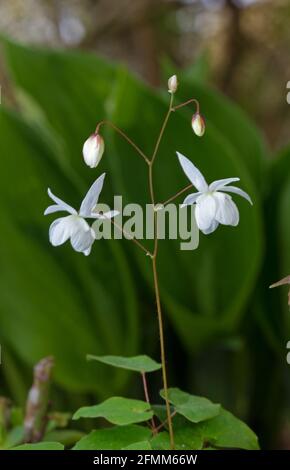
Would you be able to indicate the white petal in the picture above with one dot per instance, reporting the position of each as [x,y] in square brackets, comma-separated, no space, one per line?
[61,229]
[227,212]
[52,209]
[193,174]
[63,205]
[190,199]
[205,211]
[240,192]
[211,228]
[82,239]
[107,215]
[172,84]
[93,150]
[218,184]
[92,197]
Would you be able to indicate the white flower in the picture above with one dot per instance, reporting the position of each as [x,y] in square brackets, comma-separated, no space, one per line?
[74,226]
[198,124]
[93,150]
[213,206]
[172,84]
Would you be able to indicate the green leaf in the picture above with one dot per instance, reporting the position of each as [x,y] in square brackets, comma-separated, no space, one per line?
[115,438]
[183,440]
[192,407]
[161,441]
[40,446]
[226,430]
[15,436]
[222,431]
[143,445]
[67,437]
[140,363]
[117,410]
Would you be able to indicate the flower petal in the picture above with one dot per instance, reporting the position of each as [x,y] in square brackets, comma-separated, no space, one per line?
[205,211]
[218,184]
[190,199]
[240,192]
[193,173]
[63,206]
[61,229]
[82,239]
[92,196]
[227,212]
[211,228]
[52,209]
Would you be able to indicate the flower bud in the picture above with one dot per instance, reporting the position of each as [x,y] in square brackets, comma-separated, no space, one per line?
[172,84]
[198,124]
[93,150]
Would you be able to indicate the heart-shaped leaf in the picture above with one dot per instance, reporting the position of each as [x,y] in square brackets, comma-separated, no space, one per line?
[117,410]
[115,438]
[192,407]
[40,446]
[140,363]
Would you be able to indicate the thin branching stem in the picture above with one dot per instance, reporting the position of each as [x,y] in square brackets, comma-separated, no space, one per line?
[192,100]
[153,256]
[125,136]
[162,130]
[129,237]
[165,422]
[155,275]
[146,394]
[172,198]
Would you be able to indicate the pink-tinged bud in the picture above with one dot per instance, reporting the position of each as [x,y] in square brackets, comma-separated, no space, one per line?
[93,150]
[198,124]
[172,84]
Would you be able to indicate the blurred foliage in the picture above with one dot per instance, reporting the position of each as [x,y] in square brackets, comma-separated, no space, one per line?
[226,333]
[247,42]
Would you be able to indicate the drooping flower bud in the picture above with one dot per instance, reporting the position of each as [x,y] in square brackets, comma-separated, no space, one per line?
[198,124]
[93,150]
[172,84]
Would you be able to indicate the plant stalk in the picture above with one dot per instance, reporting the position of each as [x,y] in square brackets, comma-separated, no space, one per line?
[155,276]
[124,135]
[146,393]
[162,351]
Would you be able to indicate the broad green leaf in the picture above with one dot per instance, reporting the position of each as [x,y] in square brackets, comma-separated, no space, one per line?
[117,410]
[40,446]
[81,76]
[137,363]
[183,440]
[221,431]
[280,197]
[161,441]
[143,445]
[14,436]
[193,408]
[225,430]
[115,438]
[67,437]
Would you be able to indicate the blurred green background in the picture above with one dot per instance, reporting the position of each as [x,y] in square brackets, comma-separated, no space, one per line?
[66,65]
